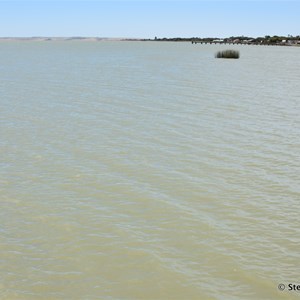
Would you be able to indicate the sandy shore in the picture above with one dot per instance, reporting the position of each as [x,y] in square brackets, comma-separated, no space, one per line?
[38,39]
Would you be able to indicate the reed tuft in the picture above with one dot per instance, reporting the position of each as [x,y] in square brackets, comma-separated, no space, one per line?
[228,54]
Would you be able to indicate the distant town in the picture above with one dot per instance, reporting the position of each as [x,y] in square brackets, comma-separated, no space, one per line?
[242,40]
[266,40]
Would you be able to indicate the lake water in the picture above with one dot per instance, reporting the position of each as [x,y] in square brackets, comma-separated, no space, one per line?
[148,170]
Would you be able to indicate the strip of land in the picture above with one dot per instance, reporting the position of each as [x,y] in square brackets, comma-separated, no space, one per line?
[244,40]
[241,40]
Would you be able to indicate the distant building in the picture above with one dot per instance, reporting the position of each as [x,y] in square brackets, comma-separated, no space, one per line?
[218,41]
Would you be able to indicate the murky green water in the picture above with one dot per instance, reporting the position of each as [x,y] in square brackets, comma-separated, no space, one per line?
[148,171]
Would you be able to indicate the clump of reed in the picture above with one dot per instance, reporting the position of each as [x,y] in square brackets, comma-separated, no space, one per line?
[228,54]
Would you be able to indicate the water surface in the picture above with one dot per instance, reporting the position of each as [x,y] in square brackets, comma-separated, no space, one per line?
[143,170]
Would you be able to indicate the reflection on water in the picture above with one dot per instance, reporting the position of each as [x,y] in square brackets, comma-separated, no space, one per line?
[148,171]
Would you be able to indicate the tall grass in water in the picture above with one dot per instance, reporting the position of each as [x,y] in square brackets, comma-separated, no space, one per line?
[228,54]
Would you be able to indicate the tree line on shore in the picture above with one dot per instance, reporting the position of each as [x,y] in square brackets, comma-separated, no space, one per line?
[268,40]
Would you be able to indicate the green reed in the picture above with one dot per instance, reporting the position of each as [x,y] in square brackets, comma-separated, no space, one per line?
[228,54]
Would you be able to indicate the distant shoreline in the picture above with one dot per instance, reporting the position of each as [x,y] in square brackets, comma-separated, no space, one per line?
[239,40]
[46,39]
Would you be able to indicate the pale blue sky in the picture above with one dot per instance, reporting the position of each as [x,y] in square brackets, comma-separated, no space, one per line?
[146,19]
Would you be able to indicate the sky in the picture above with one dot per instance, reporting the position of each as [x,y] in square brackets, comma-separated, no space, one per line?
[147,19]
